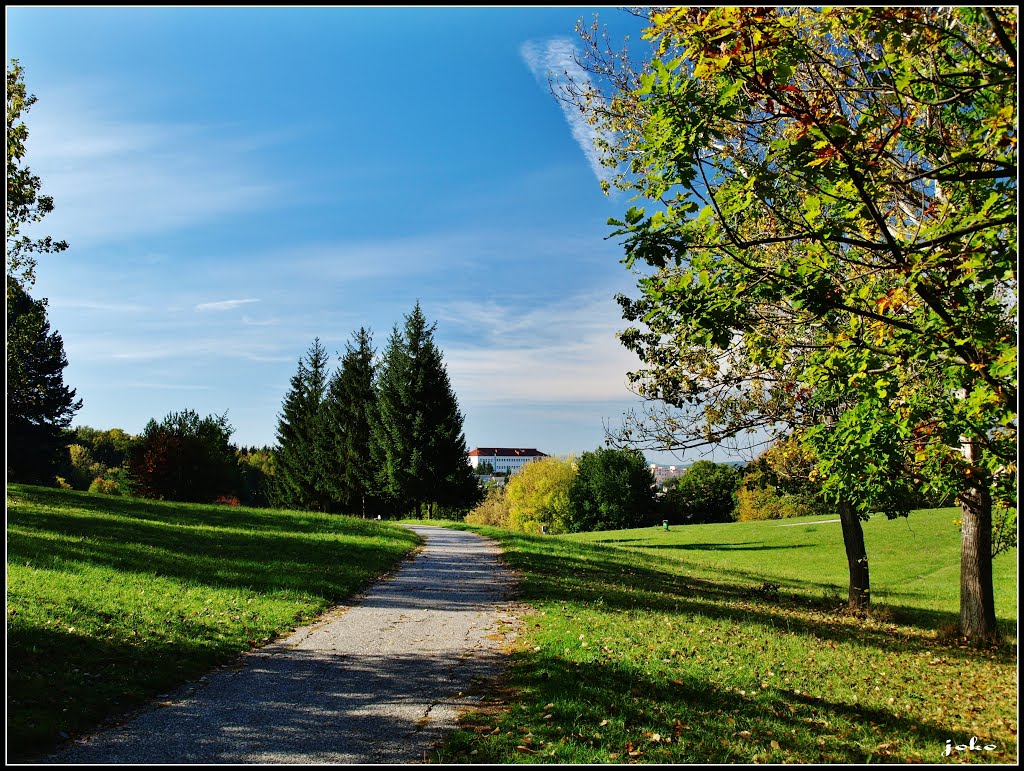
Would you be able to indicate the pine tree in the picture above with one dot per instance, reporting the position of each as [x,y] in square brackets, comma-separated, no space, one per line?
[39,405]
[300,437]
[351,399]
[417,440]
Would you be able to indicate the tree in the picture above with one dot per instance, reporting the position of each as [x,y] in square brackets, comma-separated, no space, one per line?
[185,458]
[301,437]
[349,406]
[39,405]
[612,489]
[853,169]
[538,495]
[417,440]
[24,203]
[705,493]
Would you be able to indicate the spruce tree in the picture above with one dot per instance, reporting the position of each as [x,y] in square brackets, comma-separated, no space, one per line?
[348,471]
[301,437]
[39,405]
[417,440]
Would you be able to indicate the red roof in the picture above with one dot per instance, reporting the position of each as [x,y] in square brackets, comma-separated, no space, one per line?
[487,452]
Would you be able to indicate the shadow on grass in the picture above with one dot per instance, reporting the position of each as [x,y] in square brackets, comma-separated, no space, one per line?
[600,704]
[246,549]
[738,546]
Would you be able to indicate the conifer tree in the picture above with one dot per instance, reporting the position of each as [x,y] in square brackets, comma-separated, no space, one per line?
[347,469]
[417,440]
[39,405]
[300,437]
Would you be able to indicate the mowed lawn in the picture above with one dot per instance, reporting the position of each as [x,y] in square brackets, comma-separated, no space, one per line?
[111,601]
[647,646]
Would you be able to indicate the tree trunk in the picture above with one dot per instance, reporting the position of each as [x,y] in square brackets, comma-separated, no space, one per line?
[977,602]
[856,557]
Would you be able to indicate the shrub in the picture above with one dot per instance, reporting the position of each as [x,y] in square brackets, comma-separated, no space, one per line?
[227,500]
[493,511]
[781,483]
[104,486]
[62,484]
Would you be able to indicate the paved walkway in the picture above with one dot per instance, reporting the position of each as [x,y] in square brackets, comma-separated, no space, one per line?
[376,682]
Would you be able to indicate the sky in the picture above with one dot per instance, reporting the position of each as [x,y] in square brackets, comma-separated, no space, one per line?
[235,182]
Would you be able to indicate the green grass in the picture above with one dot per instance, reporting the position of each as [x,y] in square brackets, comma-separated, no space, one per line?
[664,647]
[111,601]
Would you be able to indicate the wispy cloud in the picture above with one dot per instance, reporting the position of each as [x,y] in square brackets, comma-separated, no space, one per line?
[560,351]
[115,176]
[224,305]
[554,61]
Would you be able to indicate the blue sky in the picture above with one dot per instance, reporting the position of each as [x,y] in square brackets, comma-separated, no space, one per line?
[234,182]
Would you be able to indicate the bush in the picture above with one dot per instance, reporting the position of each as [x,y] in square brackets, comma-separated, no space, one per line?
[104,486]
[781,483]
[493,511]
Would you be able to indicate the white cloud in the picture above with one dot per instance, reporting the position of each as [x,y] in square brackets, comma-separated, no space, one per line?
[564,351]
[224,305]
[114,177]
[554,59]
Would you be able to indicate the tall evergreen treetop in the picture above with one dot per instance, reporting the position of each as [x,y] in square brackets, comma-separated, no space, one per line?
[418,442]
[39,405]
[348,408]
[300,436]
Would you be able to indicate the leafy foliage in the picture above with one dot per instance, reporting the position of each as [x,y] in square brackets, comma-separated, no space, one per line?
[538,495]
[781,482]
[834,203]
[493,510]
[185,458]
[25,205]
[705,493]
[612,489]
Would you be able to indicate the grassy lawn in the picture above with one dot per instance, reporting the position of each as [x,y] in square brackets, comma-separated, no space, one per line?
[111,601]
[666,647]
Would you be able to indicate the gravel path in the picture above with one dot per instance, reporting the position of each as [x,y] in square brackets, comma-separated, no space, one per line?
[378,681]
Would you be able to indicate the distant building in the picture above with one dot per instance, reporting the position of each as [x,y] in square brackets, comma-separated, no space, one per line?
[506,460]
[664,473]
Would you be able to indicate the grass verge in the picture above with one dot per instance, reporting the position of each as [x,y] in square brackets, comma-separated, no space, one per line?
[648,646]
[111,601]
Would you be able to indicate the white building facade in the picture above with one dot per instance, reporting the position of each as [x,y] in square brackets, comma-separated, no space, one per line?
[505,460]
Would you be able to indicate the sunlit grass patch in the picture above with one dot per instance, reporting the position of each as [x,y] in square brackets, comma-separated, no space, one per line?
[668,647]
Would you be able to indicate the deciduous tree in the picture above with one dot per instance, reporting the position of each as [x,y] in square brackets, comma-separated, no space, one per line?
[853,169]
